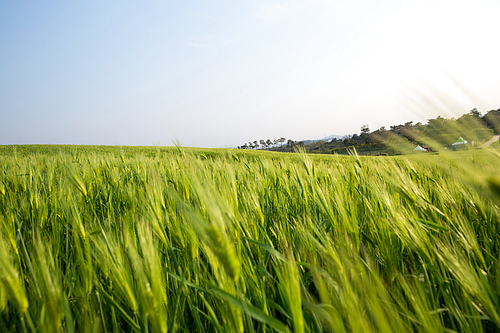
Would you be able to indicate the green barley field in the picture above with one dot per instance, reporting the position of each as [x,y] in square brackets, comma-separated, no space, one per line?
[136,239]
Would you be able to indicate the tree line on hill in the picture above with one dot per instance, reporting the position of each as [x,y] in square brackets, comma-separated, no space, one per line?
[436,134]
[266,144]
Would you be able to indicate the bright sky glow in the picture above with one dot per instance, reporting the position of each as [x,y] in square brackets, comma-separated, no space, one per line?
[217,73]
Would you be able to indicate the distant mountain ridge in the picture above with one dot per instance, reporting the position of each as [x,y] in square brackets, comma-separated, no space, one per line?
[326,138]
[333,136]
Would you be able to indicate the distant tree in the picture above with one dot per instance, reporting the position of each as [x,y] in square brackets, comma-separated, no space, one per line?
[365,129]
[355,140]
[256,144]
[471,120]
[290,143]
[282,140]
[347,140]
[438,124]
[474,113]
[263,143]
[492,120]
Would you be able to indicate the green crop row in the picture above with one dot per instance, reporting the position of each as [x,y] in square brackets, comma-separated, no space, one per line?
[181,240]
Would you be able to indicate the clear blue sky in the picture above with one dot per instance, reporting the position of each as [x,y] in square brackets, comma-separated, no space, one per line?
[221,73]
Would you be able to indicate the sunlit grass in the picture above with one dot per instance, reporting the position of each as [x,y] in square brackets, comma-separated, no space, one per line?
[111,239]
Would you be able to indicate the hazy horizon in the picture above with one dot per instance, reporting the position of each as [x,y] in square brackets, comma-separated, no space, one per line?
[219,73]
